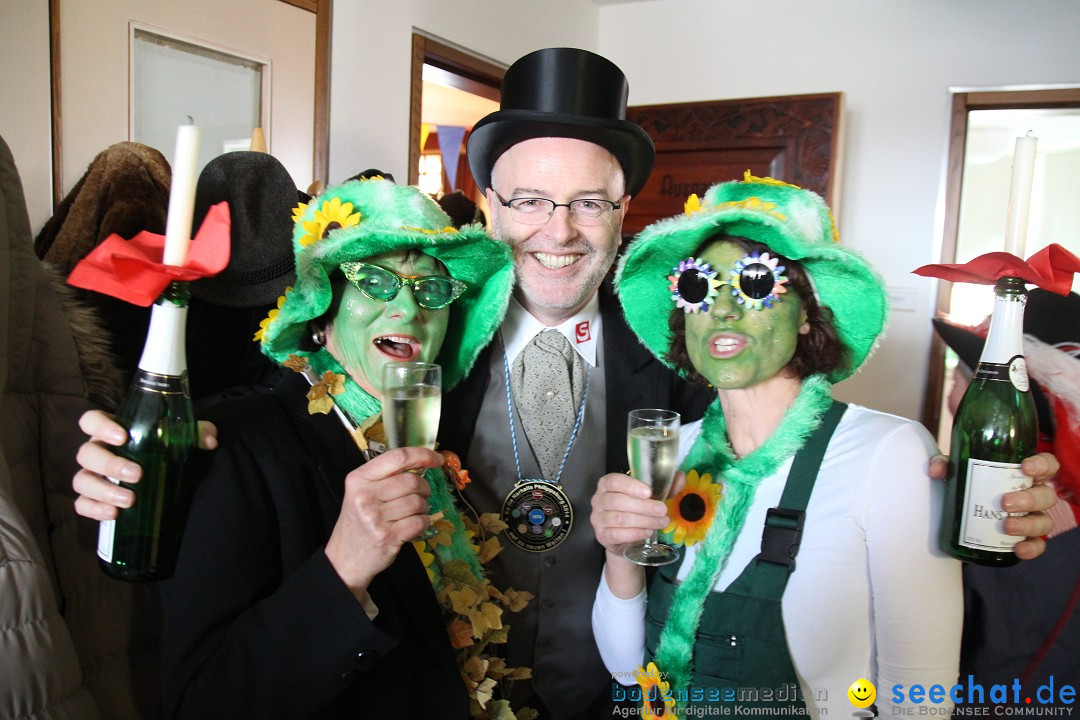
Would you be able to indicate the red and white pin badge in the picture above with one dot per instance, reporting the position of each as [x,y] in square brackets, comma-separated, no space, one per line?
[582,333]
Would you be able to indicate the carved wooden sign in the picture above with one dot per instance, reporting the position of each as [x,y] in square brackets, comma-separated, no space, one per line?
[793,138]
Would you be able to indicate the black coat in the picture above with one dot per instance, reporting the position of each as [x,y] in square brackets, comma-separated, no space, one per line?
[257,623]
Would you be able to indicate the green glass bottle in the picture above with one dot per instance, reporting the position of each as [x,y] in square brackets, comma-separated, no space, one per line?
[995,428]
[143,542]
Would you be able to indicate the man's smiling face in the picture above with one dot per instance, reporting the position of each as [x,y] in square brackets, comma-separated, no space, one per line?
[560,264]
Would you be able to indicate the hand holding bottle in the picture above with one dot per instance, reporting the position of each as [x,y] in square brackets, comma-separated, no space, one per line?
[98,498]
[1034,501]
[994,429]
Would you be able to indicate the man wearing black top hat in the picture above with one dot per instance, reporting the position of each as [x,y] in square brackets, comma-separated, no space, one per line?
[559,163]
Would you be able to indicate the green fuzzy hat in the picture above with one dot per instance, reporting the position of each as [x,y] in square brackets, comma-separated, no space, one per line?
[360,219]
[793,222]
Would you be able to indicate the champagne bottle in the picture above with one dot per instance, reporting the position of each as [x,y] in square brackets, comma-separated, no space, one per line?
[143,542]
[995,428]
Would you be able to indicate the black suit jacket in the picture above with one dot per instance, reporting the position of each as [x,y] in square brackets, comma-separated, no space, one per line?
[257,622]
[633,379]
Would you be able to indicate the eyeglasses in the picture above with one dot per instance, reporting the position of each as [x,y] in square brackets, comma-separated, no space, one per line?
[756,282]
[430,291]
[537,211]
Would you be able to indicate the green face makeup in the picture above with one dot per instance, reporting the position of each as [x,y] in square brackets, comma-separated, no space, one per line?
[365,333]
[735,345]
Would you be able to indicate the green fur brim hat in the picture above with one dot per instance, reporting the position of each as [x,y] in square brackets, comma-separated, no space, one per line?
[364,218]
[793,222]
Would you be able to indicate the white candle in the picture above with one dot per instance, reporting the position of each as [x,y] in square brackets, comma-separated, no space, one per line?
[185,167]
[1023,171]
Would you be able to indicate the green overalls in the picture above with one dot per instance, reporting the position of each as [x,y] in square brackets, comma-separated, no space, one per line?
[741,656]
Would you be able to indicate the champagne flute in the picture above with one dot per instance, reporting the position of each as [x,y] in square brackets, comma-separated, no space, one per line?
[652,445]
[412,404]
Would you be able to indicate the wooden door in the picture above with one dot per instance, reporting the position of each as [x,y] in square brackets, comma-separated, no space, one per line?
[794,138]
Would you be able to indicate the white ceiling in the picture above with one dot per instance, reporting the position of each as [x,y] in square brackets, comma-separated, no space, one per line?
[443,105]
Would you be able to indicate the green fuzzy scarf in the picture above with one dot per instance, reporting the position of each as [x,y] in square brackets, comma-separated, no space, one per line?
[712,453]
[359,406]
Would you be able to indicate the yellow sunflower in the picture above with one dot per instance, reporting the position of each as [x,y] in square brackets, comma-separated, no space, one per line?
[749,177]
[692,205]
[332,215]
[691,511]
[426,231]
[656,700]
[756,204]
[270,317]
[426,557]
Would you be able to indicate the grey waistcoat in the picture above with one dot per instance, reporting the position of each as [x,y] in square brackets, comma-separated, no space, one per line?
[553,634]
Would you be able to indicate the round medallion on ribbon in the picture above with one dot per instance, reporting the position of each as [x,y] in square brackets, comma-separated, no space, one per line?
[538,515]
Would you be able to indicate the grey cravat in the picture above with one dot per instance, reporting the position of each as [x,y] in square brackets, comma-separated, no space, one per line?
[547,380]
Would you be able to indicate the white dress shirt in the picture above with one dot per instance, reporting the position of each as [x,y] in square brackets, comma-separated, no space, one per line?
[582,330]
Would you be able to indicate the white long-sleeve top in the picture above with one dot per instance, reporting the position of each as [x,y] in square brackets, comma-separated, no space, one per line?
[871,597]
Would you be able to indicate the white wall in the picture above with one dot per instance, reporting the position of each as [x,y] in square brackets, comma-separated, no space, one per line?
[895,62]
[94,49]
[24,99]
[95,63]
[372,60]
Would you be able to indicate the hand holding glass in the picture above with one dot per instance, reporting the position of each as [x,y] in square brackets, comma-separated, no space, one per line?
[412,404]
[652,445]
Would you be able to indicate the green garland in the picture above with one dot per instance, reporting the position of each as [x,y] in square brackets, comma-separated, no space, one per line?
[712,453]
[356,403]
[472,605]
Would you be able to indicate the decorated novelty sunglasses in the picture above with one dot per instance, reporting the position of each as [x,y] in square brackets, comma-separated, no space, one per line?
[756,281]
[430,291]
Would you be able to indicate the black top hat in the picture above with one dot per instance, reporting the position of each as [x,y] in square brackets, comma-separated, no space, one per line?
[563,92]
[1051,318]
[261,196]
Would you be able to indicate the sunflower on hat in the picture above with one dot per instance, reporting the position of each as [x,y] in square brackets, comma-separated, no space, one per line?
[331,215]
[692,509]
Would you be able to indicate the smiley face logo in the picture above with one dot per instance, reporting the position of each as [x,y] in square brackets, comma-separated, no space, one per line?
[862,693]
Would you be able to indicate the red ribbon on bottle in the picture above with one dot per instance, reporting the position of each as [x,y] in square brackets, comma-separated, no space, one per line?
[1051,268]
[131,270]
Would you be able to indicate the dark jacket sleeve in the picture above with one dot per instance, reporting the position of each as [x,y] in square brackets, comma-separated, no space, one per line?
[636,379]
[257,623]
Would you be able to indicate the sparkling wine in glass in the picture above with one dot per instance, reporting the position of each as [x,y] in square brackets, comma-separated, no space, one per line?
[412,404]
[652,446]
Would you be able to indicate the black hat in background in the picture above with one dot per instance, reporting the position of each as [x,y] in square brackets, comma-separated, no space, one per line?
[461,209]
[562,92]
[371,173]
[1053,319]
[261,196]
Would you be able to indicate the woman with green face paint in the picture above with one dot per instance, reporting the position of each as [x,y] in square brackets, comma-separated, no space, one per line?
[806,525]
[296,593]
[369,329]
